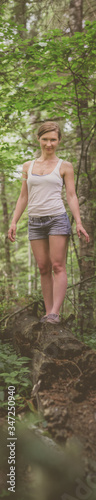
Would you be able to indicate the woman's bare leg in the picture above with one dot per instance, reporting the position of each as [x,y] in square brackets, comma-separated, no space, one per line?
[52,255]
[40,250]
[58,249]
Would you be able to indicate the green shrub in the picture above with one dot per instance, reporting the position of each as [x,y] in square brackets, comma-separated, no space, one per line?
[13,371]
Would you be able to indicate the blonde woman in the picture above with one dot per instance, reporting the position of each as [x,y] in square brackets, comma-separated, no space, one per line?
[49,225]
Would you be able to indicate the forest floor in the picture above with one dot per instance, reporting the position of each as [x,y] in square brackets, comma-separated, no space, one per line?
[63,378]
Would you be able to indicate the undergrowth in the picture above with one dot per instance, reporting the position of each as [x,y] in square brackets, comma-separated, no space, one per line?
[13,371]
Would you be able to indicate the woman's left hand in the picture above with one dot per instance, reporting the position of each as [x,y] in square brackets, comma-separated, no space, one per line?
[80,229]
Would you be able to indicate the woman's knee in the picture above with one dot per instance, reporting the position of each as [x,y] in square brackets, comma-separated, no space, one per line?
[58,267]
[45,268]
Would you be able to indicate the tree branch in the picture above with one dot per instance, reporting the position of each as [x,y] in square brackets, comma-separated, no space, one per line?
[82,281]
[31,303]
[78,260]
[86,152]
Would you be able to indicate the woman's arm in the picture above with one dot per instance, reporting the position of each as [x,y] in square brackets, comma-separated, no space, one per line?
[20,205]
[73,200]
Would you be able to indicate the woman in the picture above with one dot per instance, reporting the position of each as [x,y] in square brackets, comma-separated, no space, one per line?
[49,226]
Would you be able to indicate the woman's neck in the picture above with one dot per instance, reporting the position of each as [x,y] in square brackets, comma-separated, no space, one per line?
[47,157]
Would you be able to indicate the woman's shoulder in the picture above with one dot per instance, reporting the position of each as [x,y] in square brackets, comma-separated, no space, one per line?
[26,165]
[65,166]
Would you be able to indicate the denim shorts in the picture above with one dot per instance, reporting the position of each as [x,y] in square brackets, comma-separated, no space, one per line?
[42,227]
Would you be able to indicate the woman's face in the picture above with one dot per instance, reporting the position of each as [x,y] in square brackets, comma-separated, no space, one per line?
[49,142]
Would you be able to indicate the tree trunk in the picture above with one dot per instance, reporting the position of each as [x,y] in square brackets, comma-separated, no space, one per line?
[20,12]
[29,268]
[7,247]
[87,267]
[84,189]
[76,15]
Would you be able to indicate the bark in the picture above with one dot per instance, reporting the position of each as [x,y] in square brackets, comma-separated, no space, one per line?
[6,227]
[87,265]
[29,268]
[76,14]
[84,189]
[20,12]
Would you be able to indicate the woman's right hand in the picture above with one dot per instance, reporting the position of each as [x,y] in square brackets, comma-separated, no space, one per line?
[12,232]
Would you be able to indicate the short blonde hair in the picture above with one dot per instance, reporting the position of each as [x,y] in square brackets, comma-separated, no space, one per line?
[49,126]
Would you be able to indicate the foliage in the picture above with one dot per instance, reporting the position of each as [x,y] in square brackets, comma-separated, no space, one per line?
[13,371]
[45,73]
[54,72]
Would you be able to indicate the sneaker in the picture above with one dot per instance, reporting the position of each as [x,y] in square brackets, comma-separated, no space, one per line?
[43,319]
[53,318]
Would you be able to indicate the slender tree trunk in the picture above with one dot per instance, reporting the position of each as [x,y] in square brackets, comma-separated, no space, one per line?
[20,12]
[7,245]
[76,15]
[35,277]
[84,189]
[29,268]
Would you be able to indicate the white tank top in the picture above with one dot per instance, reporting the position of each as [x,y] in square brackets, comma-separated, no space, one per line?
[44,192]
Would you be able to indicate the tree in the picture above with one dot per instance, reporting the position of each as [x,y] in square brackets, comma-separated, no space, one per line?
[50,75]
[86,132]
[8,268]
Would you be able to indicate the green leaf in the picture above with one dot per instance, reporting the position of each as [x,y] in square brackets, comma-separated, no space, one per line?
[1,395]
[31,406]
[1,365]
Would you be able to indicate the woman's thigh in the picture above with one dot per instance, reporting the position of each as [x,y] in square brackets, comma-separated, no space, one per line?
[58,246]
[40,250]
